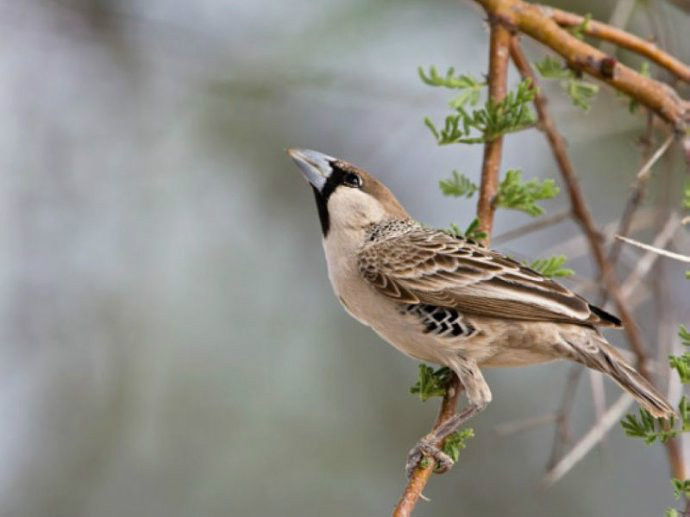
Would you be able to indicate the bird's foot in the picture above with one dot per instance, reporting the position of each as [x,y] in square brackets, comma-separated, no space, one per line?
[425,450]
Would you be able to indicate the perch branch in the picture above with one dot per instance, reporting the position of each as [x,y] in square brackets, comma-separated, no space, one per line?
[499,55]
[420,477]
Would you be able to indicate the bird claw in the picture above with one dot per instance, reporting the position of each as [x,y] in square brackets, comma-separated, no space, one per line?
[424,450]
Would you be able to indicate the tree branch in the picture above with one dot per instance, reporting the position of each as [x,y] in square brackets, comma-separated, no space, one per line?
[537,22]
[622,39]
[499,55]
[420,477]
[584,217]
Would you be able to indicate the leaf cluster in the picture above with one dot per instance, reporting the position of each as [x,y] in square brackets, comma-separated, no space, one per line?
[581,92]
[681,363]
[431,383]
[472,233]
[681,487]
[456,442]
[521,195]
[552,267]
[458,185]
[489,122]
[652,429]
[470,88]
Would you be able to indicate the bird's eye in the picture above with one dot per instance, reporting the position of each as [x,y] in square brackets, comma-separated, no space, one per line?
[352,180]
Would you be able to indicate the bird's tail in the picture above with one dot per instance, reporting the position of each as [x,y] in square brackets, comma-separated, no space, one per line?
[596,353]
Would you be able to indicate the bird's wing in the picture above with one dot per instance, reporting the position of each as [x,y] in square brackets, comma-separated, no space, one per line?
[431,266]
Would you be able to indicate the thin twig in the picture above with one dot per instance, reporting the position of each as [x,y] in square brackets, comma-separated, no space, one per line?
[635,198]
[515,426]
[588,441]
[562,430]
[420,477]
[648,247]
[498,83]
[596,384]
[644,264]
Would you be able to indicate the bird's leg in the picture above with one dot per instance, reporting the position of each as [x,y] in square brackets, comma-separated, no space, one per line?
[479,396]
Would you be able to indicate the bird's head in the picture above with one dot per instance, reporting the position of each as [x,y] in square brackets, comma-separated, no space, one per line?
[348,198]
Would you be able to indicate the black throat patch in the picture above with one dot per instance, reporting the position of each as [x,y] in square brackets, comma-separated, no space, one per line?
[334,179]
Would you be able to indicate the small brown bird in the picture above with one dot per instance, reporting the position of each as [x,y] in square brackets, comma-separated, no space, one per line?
[441,298]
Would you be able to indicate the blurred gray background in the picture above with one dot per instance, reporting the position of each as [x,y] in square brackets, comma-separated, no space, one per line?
[169,342]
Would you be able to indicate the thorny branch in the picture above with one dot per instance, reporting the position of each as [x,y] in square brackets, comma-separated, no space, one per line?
[548,26]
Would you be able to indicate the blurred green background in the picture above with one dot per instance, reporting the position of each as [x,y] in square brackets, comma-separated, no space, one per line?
[170,345]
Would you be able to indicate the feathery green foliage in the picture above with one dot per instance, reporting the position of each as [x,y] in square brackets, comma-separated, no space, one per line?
[489,122]
[456,442]
[681,363]
[681,487]
[470,87]
[515,194]
[472,232]
[551,267]
[686,196]
[581,92]
[552,68]
[458,186]
[431,383]
[652,429]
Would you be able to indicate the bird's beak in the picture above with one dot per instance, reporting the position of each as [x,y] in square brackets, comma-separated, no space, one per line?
[315,166]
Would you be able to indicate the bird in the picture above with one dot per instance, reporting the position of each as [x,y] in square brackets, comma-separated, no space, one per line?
[446,299]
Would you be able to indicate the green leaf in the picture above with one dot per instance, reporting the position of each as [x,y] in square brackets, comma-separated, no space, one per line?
[686,196]
[681,487]
[681,363]
[489,122]
[431,383]
[684,335]
[671,512]
[456,442]
[552,68]
[687,274]
[551,267]
[469,86]
[458,186]
[515,194]
[581,92]
[648,428]
[473,232]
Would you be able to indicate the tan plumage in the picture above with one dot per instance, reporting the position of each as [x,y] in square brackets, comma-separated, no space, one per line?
[430,266]
[441,298]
